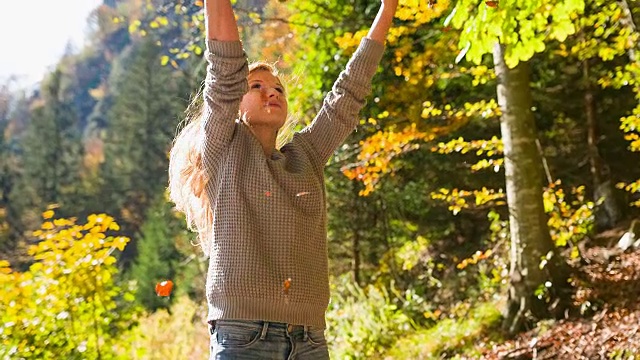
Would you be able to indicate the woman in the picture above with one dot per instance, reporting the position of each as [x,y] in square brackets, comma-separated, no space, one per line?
[260,211]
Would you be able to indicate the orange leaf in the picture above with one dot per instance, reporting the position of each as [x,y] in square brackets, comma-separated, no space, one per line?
[286,286]
[199,3]
[164,288]
[491,3]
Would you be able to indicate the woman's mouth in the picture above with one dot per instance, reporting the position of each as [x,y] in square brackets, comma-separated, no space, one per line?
[270,104]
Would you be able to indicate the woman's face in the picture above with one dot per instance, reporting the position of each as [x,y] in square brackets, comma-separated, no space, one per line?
[265,103]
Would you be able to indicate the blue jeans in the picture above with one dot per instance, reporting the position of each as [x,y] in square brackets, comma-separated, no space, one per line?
[249,340]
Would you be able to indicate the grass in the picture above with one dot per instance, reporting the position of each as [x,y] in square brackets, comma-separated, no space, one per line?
[449,336]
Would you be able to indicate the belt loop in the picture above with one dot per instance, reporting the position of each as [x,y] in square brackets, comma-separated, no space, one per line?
[265,326]
[306,333]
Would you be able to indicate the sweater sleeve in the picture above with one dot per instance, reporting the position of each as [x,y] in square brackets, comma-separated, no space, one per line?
[340,110]
[225,85]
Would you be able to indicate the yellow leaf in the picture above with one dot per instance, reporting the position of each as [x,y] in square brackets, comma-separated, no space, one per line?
[48,214]
[61,222]
[47,225]
[120,242]
[36,267]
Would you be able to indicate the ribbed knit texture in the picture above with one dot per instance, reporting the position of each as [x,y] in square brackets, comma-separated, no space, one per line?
[270,212]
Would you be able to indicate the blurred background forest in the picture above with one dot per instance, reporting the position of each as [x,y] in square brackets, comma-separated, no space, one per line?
[483,193]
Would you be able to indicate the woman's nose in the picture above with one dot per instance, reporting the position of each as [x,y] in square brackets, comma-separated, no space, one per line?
[273,92]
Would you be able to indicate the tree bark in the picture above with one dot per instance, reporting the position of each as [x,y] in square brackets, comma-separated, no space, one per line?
[609,211]
[530,239]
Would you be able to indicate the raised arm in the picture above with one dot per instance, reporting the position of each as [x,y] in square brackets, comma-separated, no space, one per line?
[225,83]
[220,21]
[339,114]
[383,20]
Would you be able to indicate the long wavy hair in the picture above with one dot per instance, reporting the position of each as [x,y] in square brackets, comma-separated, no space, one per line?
[187,176]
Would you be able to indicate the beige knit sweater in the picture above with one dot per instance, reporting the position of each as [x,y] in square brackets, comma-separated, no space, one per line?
[268,258]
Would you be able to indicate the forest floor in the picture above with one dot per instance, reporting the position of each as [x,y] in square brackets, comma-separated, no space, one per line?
[609,285]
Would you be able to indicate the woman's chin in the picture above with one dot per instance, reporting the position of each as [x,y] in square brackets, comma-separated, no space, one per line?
[267,122]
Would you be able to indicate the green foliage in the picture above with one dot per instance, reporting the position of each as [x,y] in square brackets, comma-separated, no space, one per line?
[523,27]
[455,335]
[362,322]
[67,304]
[52,148]
[148,100]
[158,258]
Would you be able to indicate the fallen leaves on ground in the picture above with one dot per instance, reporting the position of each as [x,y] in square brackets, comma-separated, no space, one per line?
[608,283]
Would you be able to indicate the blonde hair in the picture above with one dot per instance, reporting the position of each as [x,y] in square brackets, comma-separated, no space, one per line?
[187,176]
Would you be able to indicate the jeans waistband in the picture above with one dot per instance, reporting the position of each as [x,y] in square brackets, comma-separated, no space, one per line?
[263,326]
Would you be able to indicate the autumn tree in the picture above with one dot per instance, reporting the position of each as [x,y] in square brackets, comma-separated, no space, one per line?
[515,32]
[530,240]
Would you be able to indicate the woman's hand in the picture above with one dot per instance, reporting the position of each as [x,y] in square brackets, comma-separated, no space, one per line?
[383,20]
[390,4]
[220,20]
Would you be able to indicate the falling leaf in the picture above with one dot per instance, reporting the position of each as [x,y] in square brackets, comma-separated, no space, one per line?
[164,288]
[286,286]
[199,3]
[267,193]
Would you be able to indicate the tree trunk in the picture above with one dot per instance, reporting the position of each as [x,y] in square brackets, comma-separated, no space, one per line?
[530,239]
[609,211]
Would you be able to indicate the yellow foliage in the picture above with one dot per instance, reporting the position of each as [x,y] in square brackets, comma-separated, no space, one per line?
[66,304]
[376,153]
[350,41]
[419,12]
[569,221]
[477,256]
[48,214]
[460,199]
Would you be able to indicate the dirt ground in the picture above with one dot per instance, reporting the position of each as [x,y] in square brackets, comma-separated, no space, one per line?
[608,285]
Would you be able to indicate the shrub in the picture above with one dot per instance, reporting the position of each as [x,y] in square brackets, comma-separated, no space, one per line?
[362,322]
[67,305]
[181,334]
